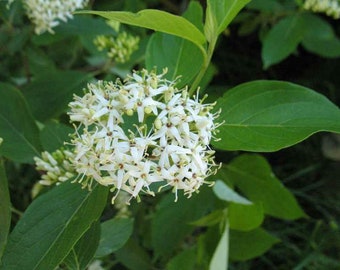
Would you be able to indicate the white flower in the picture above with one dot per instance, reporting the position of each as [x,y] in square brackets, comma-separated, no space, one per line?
[329,7]
[131,135]
[46,14]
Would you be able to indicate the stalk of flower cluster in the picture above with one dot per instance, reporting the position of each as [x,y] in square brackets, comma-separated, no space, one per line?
[47,14]
[131,135]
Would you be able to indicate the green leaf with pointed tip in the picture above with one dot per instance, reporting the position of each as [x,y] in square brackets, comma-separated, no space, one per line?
[283,39]
[82,253]
[52,225]
[157,20]
[17,127]
[253,176]
[265,116]
[5,208]
[185,260]
[248,245]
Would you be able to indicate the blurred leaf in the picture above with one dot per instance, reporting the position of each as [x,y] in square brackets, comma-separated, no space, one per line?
[52,225]
[219,14]
[184,261]
[211,219]
[220,257]
[5,208]
[265,5]
[225,193]
[170,223]
[282,39]
[245,217]
[157,20]
[320,37]
[82,253]
[53,135]
[265,116]
[194,14]
[17,127]
[48,95]
[134,257]
[253,176]
[248,245]
[114,234]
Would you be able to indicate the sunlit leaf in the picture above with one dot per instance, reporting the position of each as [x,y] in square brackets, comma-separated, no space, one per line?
[221,254]
[157,20]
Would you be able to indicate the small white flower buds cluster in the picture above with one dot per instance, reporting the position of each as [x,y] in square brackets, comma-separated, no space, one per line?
[119,48]
[329,7]
[134,134]
[46,14]
[55,167]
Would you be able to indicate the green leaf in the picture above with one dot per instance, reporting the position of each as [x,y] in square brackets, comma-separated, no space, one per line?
[5,208]
[157,20]
[320,37]
[282,39]
[221,254]
[49,95]
[245,217]
[133,256]
[219,15]
[52,225]
[209,220]
[253,176]
[54,134]
[184,260]
[170,223]
[265,116]
[82,253]
[225,193]
[17,127]
[181,57]
[248,245]
[114,234]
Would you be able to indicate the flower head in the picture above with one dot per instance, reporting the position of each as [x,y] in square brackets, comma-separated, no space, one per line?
[329,7]
[47,14]
[133,134]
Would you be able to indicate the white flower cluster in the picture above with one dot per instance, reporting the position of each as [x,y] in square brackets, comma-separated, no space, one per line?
[55,167]
[119,48]
[134,134]
[46,14]
[329,7]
